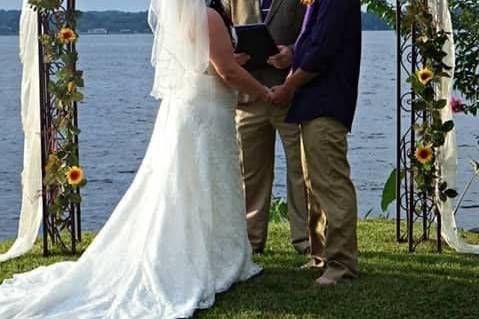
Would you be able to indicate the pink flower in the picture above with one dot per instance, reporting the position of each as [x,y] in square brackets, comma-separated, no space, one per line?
[457,105]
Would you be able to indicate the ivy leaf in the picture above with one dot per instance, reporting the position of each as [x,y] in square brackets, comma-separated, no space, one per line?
[75,198]
[451,193]
[419,105]
[438,139]
[448,126]
[475,166]
[389,191]
[77,96]
[439,105]
[443,186]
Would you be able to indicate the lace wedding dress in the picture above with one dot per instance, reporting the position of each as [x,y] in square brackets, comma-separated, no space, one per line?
[178,236]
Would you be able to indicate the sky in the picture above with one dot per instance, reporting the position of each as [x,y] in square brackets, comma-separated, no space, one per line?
[93,5]
[89,5]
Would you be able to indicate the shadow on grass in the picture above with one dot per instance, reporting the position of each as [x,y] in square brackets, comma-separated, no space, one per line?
[390,286]
[393,283]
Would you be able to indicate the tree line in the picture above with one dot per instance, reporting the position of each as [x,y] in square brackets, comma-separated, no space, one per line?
[130,22]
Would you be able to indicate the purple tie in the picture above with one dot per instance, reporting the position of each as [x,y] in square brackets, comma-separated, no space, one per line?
[307,16]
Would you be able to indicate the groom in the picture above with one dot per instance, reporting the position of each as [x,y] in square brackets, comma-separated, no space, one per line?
[323,87]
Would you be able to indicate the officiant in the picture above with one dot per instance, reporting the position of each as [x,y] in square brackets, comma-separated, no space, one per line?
[257,124]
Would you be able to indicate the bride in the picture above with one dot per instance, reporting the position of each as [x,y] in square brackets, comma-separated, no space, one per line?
[178,236]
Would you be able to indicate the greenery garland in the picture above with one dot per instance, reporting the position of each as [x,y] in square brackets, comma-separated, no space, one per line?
[466,26]
[465,18]
[432,131]
[63,174]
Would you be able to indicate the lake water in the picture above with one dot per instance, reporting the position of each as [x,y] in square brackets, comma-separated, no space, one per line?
[117,117]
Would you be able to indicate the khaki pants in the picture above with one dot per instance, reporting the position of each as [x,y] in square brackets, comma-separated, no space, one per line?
[331,196]
[257,124]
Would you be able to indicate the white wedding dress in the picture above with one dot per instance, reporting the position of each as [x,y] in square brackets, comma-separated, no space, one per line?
[178,236]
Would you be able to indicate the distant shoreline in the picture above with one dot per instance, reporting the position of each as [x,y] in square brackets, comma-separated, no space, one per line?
[143,33]
[117,22]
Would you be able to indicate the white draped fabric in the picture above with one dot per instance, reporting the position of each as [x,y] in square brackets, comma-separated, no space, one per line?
[447,157]
[31,211]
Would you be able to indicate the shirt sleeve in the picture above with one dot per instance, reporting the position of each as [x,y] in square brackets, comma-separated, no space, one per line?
[326,36]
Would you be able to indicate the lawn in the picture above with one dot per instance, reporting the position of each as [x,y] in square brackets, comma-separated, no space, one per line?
[393,283]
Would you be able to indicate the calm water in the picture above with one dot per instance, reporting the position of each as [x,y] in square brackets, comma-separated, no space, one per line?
[118,114]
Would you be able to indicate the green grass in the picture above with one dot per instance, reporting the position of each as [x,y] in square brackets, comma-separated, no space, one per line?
[393,283]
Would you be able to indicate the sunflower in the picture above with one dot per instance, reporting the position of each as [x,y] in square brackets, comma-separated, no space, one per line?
[71,87]
[425,75]
[66,36]
[306,2]
[424,154]
[75,176]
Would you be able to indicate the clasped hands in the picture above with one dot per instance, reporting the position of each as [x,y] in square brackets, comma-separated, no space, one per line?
[279,95]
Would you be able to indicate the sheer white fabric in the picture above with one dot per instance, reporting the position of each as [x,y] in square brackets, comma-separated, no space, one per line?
[447,157]
[181,42]
[177,237]
[31,210]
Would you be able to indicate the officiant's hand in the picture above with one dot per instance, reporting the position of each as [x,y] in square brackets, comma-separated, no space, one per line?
[242,58]
[283,59]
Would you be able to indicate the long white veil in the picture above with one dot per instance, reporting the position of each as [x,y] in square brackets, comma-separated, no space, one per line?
[447,158]
[181,43]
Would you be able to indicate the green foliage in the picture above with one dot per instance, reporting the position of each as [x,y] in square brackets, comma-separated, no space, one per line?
[465,18]
[389,192]
[466,32]
[431,132]
[60,58]
[384,9]
[392,284]
[133,22]
[279,211]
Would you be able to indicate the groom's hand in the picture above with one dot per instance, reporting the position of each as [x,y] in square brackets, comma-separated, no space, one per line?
[242,58]
[282,95]
[283,59]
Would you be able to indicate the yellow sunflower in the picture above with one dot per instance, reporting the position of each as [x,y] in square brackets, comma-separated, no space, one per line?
[66,36]
[71,87]
[307,2]
[425,75]
[424,154]
[75,176]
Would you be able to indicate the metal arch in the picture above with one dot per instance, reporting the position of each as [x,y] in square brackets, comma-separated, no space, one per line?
[412,205]
[70,220]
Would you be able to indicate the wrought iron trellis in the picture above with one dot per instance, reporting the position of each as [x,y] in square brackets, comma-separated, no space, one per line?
[418,208]
[69,221]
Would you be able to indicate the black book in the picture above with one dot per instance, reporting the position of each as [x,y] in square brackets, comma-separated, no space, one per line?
[256,41]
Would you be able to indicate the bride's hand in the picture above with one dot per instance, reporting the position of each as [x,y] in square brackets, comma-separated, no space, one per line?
[267,96]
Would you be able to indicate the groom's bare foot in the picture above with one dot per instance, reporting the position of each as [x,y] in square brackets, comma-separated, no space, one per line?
[325,281]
